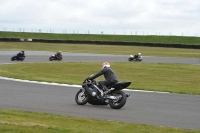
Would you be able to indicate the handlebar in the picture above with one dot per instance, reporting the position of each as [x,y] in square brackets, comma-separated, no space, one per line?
[90,81]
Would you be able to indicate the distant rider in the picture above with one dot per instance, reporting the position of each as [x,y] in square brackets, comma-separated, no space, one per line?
[137,55]
[58,54]
[109,75]
[21,54]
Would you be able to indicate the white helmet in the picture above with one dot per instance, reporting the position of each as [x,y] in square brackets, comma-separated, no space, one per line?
[139,54]
[105,64]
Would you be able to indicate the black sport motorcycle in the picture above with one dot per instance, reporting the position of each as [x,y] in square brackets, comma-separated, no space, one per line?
[54,57]
[15,57]
[135,58]
[92,94]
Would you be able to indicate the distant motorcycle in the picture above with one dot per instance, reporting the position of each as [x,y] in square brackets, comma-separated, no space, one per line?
[15,57]
[53,57]
[135,58]
[92,94]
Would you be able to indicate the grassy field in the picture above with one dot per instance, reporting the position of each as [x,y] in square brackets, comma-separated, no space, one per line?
[12,121]
[102,49]
[127,38]
[175,78]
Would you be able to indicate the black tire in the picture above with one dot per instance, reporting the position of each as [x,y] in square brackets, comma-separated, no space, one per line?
[51,58]
[139,60]
[129,59]
[81,98]
[120,102]
[22,58]
[13,58]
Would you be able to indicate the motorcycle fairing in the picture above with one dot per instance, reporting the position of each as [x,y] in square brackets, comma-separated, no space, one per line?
[89,88]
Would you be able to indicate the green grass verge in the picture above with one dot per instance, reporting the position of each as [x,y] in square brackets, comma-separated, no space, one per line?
[102,49]
[128,38]
[13,121]
[175,78]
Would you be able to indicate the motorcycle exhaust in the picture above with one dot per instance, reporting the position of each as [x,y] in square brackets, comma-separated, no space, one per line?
[112,97]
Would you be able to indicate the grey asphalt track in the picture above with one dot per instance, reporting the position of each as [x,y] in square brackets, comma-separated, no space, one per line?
[41,56]
[160,109]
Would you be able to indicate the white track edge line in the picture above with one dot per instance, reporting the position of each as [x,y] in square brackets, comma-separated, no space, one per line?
[66,85]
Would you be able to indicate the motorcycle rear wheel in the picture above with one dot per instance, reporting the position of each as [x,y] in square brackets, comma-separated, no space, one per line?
[81,98]
[120,102]
[22,58]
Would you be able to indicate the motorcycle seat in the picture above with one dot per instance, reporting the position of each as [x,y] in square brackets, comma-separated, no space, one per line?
[120,85]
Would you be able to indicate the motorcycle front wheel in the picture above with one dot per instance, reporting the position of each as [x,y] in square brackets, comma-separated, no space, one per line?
[81,98]
[51,58]
[120,102]
[130,59]
[13,58]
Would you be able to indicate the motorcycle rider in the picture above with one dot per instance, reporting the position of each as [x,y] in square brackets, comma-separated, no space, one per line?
[138,55]
[58,54]
[109,75]
[21,54]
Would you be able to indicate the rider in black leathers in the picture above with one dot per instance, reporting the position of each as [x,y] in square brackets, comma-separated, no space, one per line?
[109,74]
[21,54]
[58,54]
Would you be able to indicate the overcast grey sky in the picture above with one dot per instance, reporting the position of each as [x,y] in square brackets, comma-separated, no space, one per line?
[148,17]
